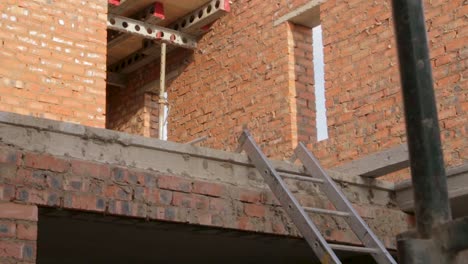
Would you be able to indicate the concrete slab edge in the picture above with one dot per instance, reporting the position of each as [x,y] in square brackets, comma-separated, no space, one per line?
[124,139]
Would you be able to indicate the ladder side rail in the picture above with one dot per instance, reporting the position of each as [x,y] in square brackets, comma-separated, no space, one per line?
[341,203]
[287,200]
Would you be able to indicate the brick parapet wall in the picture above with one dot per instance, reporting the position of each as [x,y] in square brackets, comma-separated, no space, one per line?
[163,181]
[53,59]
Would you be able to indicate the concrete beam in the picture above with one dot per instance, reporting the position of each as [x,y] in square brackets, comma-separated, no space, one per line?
[378,164]
[457,182]
[65,139]
[307,15]
[148,31]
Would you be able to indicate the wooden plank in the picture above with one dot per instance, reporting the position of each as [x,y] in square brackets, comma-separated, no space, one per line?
[377,164]
[457,183]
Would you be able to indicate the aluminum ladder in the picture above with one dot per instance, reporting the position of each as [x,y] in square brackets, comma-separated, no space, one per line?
[300,215]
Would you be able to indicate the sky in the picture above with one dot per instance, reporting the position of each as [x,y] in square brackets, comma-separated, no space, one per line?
[319,76]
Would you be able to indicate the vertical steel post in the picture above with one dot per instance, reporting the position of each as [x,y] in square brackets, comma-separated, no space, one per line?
[162,89]
[427,164]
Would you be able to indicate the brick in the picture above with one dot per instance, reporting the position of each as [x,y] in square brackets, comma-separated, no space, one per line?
[159,197]
[85,202]
[248,196]
[7,192]
[120,174]
[254,210]
[10,156]
[27,231]
[45,162]
[7,229]
[190,200]
[174,183]
[210,189]
[38,197]
[128,208]
[244,223]
[89,169]
[200,217]
[18,211]
[11,249]
[219,205]
[7,170]
[119,192]
[75,184]
[29,251]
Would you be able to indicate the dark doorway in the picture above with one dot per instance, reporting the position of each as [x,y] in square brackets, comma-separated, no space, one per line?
[76,237]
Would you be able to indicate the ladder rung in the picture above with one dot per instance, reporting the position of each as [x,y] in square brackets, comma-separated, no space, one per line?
[354,249]
[325,211]
[300,178]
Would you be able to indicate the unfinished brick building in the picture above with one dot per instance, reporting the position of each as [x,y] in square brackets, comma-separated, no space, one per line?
[72,80]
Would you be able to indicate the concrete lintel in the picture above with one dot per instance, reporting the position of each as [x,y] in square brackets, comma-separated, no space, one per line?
[457,182]
[106,146]
[307,15]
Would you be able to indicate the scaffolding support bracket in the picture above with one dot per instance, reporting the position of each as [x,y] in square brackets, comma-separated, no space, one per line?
[195,24]
[200,20]
[152,14]
[148,31]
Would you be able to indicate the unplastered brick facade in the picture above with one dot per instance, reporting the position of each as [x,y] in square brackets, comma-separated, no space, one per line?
[53,59]
[246,72]
[112,173]
[364,103]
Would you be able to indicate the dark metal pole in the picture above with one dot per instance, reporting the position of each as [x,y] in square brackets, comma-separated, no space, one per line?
[427,164]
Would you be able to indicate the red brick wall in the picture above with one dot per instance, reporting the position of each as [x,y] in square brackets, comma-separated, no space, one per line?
[301,71]
[237,77]
[53,59]
[18,230]
[246,72]
[134,109]
[53,181]
[364,105]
